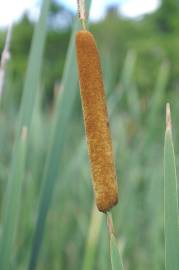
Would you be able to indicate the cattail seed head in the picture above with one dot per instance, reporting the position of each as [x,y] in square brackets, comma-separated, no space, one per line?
[96,122]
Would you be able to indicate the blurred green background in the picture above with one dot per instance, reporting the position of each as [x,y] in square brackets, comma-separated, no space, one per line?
[140,62]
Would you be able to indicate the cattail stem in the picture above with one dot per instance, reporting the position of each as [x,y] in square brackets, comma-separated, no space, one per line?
[82,13]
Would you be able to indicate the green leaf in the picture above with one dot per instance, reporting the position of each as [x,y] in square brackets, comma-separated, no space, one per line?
[170,201]
[159,94]
[12,202]
[124,84]
[116,261]
[92,239]
[32,78]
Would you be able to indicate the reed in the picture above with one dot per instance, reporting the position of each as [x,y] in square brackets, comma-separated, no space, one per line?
[170,199]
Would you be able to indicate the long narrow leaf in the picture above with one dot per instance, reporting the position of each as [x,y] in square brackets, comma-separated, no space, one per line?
[115,256]
[92,239]
[34,67]
[116,260]
[170,200]
[12,202]
[158,96]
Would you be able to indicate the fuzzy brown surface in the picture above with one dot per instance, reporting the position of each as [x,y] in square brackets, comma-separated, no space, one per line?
[96,122]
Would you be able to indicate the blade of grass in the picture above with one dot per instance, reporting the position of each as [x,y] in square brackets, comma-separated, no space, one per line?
[103,252]
[34,66]
[157,102]
[92,240]
[170,200]
[116,260]
[158,96]
[115,256]
[55,154]
[128,69]
[12,202]
[125,81]
[12,199]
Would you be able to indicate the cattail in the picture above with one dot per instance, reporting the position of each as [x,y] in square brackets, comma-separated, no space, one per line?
[96,122]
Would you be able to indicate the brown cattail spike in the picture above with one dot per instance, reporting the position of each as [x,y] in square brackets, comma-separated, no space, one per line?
[96,122]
